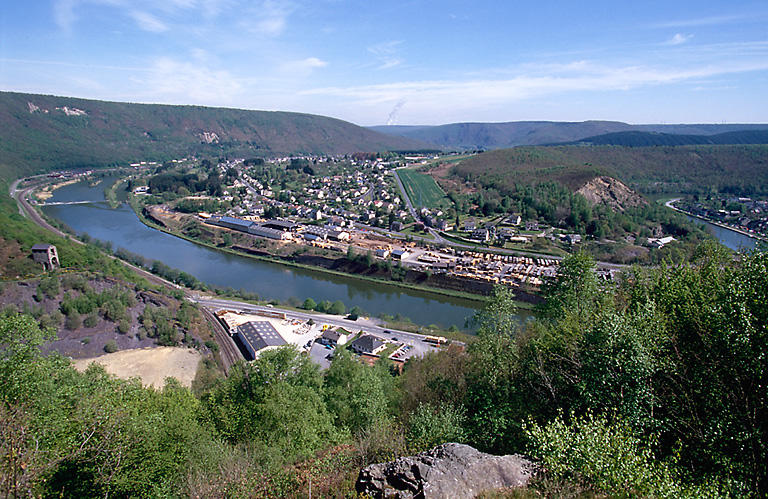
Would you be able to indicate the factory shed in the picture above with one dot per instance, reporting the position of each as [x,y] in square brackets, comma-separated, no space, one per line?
[233,223]
[284,225]
[258,335]
[261,231]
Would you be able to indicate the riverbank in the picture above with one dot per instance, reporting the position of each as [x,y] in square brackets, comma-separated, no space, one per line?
[329,269]
[670,204]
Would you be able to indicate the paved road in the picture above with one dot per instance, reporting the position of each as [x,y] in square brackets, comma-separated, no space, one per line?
[229,351]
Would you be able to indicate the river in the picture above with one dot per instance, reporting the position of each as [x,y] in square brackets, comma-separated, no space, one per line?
[123,229]
[727,237]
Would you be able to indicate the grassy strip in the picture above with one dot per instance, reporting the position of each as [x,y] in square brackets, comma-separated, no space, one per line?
[110,194]
[421,188]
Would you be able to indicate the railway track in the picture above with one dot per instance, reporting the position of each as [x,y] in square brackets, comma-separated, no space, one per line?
[228,351]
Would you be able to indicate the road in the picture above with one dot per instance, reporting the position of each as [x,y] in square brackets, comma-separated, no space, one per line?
[229,351]
[440,240]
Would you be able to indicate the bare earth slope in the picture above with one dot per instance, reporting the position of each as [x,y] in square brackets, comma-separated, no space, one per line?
[152,365]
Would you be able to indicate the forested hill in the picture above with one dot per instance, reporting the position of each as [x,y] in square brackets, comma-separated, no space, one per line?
[645,139]
[727,168]
[39,132]
[469,136]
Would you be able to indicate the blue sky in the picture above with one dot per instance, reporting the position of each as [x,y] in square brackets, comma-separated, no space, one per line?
[402,62]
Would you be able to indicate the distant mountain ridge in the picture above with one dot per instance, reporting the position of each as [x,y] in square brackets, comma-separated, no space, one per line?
[40,132]
[647,139]
[469,136]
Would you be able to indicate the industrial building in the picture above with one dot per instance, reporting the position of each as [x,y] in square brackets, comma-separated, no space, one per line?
[258,335]
[232,223]
[261,231]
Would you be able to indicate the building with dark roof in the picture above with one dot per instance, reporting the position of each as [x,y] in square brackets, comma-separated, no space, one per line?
[257,335]
[232,223]
[284,225]
[261,231]
[367,344]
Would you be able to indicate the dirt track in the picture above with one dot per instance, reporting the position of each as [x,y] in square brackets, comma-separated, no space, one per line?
[152,365]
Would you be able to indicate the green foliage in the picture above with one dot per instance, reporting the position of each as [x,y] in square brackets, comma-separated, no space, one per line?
[323,306]
[282,391]
[115,132]
[49,287]
[337,308]
[355,394]
[606,458]
[732,168]
[309,304]
[91,320]
[430,426]
[110,346]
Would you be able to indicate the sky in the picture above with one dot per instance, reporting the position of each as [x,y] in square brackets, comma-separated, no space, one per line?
[419,62]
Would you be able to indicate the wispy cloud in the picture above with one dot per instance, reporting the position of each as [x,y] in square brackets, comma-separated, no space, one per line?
[268,17]
[170,80]
[703,21]
[678,39]
[483,91]
[148,14]
[303,66]
[387,53]
[148,22]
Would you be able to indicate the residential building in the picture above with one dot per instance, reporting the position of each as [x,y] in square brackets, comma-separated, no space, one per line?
[367,344]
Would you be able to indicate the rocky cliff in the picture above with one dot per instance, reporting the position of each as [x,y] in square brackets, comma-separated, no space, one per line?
[611,192]
[452,471]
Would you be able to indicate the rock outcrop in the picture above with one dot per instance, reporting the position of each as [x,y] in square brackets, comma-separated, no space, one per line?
[611,192]
[453,471]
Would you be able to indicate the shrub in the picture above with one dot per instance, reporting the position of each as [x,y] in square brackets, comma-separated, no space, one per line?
[430,426]
[91,320]
[605,456]
[73,321]
[110,346]
[123,326]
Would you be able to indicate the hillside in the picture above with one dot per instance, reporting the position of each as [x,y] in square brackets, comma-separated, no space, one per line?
[645,139]
[728,168]
[468,136]
[42,132]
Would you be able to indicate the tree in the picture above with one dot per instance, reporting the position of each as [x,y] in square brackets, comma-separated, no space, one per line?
[575,290]
[355,393]
[309,304]
[323,306]
[338,308]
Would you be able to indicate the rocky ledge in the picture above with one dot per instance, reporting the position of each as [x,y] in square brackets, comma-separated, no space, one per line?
[448,471]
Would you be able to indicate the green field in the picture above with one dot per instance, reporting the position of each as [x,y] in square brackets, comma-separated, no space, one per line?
[422,189]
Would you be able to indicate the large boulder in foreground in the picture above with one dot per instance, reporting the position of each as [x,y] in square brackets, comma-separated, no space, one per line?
[448,471]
